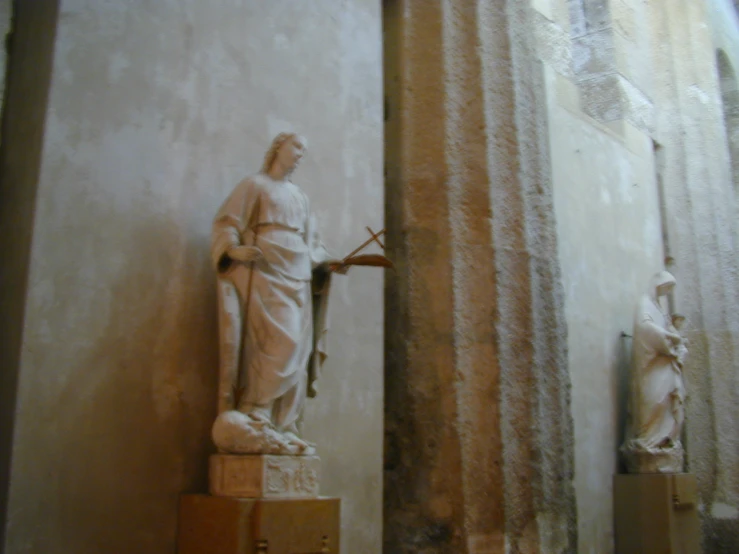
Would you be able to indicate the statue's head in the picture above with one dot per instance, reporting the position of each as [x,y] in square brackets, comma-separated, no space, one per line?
[663,283]
[287,149]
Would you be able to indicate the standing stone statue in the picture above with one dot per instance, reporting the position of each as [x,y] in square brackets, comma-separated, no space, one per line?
[657,392]
[273,282]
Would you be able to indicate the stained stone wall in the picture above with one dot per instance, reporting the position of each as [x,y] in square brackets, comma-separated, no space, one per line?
[156,110]
[544,158]
[479,442]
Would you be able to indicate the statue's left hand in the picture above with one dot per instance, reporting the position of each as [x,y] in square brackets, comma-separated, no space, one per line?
[337,266]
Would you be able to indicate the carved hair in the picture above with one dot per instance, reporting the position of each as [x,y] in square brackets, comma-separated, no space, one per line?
[271,155]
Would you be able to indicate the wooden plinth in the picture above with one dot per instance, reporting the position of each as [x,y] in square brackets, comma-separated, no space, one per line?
[224,525]
[656,514]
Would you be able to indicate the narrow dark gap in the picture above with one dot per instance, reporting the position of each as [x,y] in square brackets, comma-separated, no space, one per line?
[729,89]
[30,48]
[396,417]
[659,171]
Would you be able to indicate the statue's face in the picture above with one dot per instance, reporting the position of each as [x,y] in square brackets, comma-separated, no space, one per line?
[291,152]
[665,289]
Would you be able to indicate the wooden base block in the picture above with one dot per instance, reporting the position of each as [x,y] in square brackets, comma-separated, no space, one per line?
[264,476]
[656,513]
[224,525]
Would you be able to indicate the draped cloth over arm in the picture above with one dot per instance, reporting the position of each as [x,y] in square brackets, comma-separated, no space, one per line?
[321,286]
[234,220]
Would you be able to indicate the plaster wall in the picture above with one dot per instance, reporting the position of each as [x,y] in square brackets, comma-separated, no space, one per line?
[156,110]
[610,244]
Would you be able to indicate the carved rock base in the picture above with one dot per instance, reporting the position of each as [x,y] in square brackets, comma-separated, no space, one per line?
[221,525]
[237,433]
[264,476]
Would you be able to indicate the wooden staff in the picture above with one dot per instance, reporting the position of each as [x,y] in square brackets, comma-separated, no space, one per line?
[240,387]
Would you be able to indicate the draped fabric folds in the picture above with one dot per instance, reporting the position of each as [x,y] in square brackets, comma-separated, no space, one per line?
[273,312]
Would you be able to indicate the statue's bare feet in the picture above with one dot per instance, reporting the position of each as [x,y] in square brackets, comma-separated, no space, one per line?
[295,439]
[305,447]
[235,432]
[277,443]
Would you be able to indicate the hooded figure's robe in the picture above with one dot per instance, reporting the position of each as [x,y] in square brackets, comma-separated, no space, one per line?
[272,313]
[657,384]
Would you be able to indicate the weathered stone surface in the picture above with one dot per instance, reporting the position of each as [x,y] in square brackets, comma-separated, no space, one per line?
[479,438]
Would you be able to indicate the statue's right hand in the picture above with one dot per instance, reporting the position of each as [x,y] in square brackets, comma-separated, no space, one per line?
[676,339]
[245,253]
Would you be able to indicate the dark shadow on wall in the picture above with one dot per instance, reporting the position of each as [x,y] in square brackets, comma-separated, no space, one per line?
[30,57]
[623,369]
[720,536]
[127,430]
[730,109]
[142,438]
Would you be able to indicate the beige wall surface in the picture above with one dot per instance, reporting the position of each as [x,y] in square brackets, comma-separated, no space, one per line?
[157,109]
[606,204]
[610,244]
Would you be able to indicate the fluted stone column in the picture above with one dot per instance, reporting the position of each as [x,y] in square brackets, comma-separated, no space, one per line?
[479,444]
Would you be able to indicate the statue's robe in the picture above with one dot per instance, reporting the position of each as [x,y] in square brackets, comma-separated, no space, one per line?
[657,384]
[273,312]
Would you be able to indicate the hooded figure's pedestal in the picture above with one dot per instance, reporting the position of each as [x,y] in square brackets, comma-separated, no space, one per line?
[656,513]
[260,504]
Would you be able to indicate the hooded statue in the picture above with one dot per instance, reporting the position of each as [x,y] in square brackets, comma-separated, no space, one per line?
[273,282]
[657,392]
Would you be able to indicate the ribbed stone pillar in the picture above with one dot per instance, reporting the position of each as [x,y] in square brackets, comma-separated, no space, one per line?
[479,446]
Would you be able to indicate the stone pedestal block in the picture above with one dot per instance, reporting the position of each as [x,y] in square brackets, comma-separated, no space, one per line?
[223,525]
[264,476]
[656,512]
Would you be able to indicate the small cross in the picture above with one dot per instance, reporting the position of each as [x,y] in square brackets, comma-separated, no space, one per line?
[376,237]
